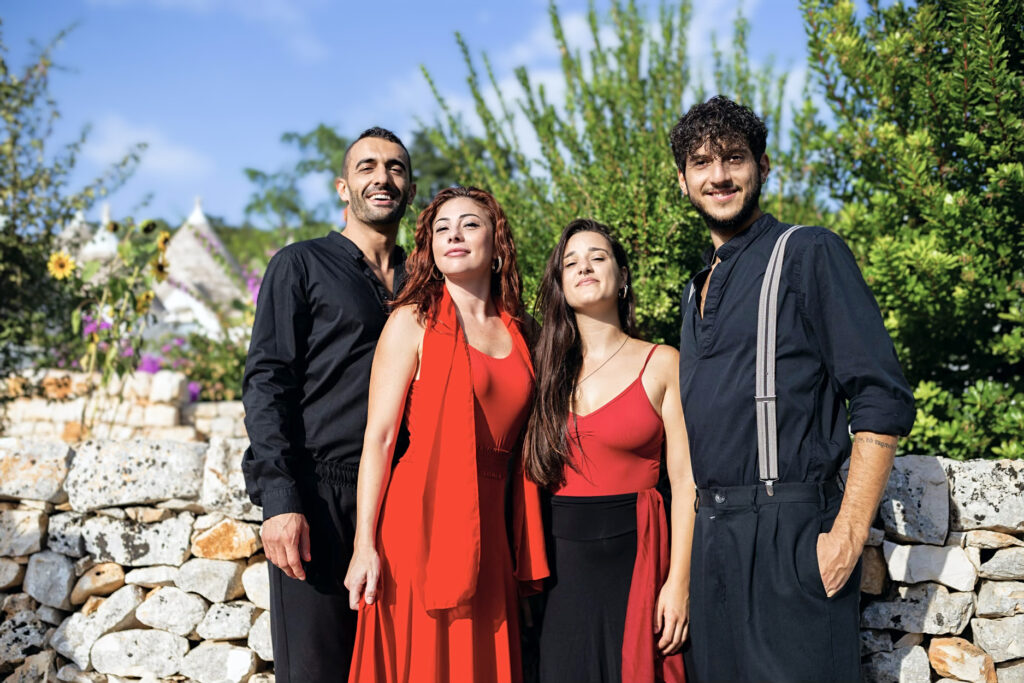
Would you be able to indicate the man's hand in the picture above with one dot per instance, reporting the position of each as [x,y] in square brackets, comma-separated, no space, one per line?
[286,543]
[838,553]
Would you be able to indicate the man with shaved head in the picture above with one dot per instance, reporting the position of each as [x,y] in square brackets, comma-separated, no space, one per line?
[321,308]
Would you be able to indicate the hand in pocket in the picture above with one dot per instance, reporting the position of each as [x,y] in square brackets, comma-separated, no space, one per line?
[837,558]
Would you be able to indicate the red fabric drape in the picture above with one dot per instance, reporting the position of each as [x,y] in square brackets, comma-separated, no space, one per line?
[649,573]
[449,536]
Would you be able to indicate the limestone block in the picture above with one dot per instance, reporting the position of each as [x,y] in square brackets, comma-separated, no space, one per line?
[961,659]
[20,636]
[84,564]
[227,540]
[37,505]
[875,537]
[227,621]
[152,577]
[219,663]
[64,534]
[37,668]
[68,411]
[215,580]
[186,433]
[70,673]
[102,579]
[999,599]
[168,386]
[160,415]
[924,608]
[138,652]
[1012,672]
[986,494]
[22,430]
[49,579]
[871,641]
[33,470]
[256,581]
[948,565]
[37,410]
[908,640]
[261,678]
[240,430]
[223,482]
[1006,564]
[172,609]
[915,506]
[51,615]
[112,473]
[206,410]
[11,573]
[18,602]
[259,638]
[234,410]
[21,532]
[1001,638]
[137,386]
[147,515]
[207,521]
[222,426]
[990,540]
[873,571]
[138,545]
[909,665]
[92,603]
[203,424]
[78,633]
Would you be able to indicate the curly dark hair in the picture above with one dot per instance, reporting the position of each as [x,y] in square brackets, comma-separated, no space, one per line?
[376,132]
[717,122]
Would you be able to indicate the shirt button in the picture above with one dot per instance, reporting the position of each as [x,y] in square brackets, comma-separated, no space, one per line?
[719,498]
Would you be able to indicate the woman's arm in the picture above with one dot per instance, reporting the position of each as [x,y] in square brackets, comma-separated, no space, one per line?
[394,366]
[672,615]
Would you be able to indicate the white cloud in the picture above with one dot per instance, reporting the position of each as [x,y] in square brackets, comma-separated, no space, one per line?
[289,19]
[113,136]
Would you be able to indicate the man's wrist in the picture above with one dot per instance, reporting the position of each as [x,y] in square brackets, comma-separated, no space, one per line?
[850,534]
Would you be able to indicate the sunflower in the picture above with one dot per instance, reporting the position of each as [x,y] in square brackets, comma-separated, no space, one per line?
[159,266]
[61,265]
[144,300]
[113,226]
[149,226]
[162,240]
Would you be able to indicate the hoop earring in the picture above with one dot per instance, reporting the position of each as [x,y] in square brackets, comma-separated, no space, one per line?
[436,274]
[496,265]
[624,291]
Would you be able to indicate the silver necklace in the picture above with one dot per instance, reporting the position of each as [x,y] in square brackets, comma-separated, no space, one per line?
[591,373]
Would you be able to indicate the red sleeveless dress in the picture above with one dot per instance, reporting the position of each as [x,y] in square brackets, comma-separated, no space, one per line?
[610,556]
[449,598]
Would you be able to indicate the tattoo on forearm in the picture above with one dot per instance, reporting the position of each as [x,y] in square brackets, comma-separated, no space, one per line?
[891,446]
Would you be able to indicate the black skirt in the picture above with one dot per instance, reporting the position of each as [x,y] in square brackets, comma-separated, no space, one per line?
[592,551]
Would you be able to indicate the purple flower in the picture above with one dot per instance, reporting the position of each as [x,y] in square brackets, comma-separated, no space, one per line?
[194,389]
[178,341]
[60,363]
[105,325]
[74,364]
[89,329]
[127,351]
[177,363]
[166,348]
[149,363]
[104,346]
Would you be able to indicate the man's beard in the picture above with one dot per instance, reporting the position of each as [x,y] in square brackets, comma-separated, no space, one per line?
[729,226]
[372,215]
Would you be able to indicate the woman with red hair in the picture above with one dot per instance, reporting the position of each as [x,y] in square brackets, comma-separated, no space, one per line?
[432,574]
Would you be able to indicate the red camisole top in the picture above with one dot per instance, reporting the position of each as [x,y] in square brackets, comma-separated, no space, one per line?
[617,448]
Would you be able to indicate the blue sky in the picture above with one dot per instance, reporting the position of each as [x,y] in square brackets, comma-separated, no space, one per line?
[212,84]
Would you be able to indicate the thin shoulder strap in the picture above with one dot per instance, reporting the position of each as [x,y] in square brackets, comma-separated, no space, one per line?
[648,359]
[764,390]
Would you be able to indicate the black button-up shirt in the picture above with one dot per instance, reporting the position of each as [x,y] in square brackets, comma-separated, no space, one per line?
[319,314]
[833,350]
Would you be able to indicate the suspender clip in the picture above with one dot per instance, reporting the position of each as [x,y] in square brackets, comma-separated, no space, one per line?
[765,399]
[769,485]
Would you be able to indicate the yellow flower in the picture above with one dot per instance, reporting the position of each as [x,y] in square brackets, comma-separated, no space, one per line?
[61,265]
[159,269]
[162,240]
[143,302]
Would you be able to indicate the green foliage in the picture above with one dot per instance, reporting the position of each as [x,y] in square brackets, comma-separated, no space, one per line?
[926,158]
[35,203]
[216,366]
[603,149]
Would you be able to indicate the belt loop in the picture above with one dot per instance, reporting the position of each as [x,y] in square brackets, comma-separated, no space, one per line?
[822,498]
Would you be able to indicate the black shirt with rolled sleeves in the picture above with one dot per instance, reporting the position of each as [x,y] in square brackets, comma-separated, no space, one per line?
[319,315]
[832,350]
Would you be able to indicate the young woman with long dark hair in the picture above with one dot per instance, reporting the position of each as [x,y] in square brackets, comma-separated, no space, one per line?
[607,414]
[433,579]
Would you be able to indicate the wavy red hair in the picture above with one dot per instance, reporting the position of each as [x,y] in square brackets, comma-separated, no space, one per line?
[424,291]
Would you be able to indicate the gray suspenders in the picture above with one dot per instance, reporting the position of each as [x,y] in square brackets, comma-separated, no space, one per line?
[764,387]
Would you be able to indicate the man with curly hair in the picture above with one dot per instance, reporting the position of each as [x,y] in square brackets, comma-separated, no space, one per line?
[782,355]
[321,308]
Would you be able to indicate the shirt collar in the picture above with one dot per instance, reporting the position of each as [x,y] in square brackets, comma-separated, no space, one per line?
[739,241]
[350,248]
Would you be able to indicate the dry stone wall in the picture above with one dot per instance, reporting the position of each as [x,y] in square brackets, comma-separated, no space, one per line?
[141,560]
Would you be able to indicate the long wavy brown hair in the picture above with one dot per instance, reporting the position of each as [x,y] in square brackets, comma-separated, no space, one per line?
[423,289]
[558,358]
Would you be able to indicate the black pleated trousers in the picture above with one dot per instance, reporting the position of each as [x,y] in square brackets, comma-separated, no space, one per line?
[758,609]
[312,628]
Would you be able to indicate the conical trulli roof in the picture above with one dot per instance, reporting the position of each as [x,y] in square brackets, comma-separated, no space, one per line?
[198,261]
[103,244]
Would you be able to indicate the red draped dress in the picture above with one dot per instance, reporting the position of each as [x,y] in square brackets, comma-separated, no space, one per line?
[610,556]
[448,605]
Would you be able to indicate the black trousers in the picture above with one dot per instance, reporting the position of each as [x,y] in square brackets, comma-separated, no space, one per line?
[312,628]
[758,609]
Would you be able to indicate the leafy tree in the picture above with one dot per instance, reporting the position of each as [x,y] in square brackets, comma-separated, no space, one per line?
[926,159]
[603,149]
[35,202]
